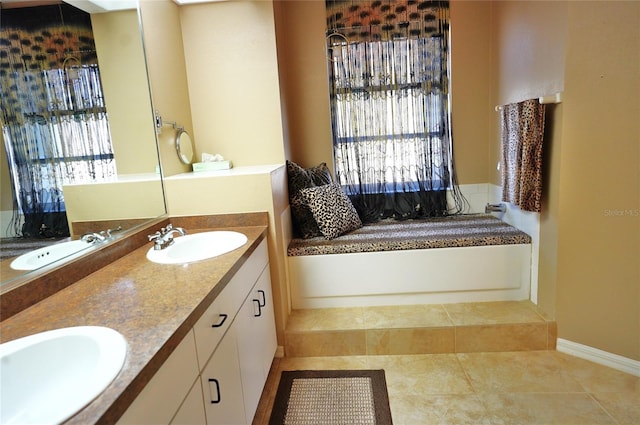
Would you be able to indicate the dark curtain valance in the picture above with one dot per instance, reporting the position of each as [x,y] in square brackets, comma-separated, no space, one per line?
[374,20]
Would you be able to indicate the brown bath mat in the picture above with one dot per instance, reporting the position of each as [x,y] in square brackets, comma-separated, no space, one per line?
[331,397]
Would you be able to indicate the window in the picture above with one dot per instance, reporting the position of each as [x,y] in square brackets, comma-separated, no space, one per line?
[389,83]
[390,114]
[54,122]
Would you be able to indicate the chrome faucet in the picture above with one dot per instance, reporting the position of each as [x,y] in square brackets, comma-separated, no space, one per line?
[93,237]
[164,237]
[499,208]
[101,236]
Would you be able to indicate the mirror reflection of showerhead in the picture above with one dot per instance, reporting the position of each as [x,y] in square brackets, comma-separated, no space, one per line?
[71,66]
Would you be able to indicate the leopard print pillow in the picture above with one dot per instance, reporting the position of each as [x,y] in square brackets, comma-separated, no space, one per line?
[332,209]
[302,178]
[304,225]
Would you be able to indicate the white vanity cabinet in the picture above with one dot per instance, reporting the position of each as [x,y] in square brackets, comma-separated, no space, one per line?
[191,412]
[217,373]
[256,341]
[163,395]
[235,375]
[222,385]
[217,319]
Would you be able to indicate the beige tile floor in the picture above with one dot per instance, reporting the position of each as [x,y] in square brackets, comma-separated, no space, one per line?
[476,380]
[500,388]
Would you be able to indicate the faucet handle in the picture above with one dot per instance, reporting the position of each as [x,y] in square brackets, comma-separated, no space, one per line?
[108,232]
[93,237]
[88,238]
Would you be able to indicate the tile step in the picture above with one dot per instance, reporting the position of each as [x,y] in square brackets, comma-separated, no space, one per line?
[419,329]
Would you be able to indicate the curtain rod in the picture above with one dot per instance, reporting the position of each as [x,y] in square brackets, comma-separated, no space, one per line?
[544,100]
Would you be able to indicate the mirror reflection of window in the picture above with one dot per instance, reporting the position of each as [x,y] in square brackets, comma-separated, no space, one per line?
[53,116]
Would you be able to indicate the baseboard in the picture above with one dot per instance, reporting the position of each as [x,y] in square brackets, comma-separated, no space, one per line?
[595,355]
[279,352]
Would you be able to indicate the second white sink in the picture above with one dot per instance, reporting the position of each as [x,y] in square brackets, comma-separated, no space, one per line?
[198,246]
[48,377]
[48,254]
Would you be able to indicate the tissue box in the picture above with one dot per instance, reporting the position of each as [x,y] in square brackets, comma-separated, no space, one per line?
[211,166]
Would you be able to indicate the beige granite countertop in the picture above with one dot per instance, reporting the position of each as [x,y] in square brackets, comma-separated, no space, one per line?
[152,305]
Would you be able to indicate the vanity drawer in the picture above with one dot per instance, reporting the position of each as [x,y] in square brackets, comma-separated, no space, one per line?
[212,326]
[215,321]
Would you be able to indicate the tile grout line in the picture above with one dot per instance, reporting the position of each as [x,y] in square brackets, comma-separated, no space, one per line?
[455,328]
[602,407]
[366,333]
[547,336]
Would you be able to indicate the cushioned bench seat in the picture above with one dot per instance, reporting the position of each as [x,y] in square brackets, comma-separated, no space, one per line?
[476,258]
[393,235]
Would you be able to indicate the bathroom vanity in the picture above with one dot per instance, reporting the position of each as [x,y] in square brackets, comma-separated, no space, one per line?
[224,359]
[201,336]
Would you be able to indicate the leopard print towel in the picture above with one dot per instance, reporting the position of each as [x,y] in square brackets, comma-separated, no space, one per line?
[522,127]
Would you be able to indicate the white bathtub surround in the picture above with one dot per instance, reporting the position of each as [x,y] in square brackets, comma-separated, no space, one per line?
[5,219]
[529,223]
[490,273]
[477,196]
[445,260]
[420,276]
[595,355]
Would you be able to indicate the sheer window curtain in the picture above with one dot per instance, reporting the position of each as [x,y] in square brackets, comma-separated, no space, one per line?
[390,111]
[54,122]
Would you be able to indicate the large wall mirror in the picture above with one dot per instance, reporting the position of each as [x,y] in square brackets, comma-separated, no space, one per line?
[75,99]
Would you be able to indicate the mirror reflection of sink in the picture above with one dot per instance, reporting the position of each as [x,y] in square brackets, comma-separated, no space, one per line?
[48,377]
[198,246]
[47,255]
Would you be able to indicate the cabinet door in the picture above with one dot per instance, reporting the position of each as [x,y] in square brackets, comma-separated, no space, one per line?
[215,321]
[192,410]
[251,369]
[256,341]
[213,324]
[160,399]
[222,386]
[266,321]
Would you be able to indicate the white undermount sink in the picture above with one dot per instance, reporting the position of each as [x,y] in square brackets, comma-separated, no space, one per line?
[48,377]
[198,246]
[42,256]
